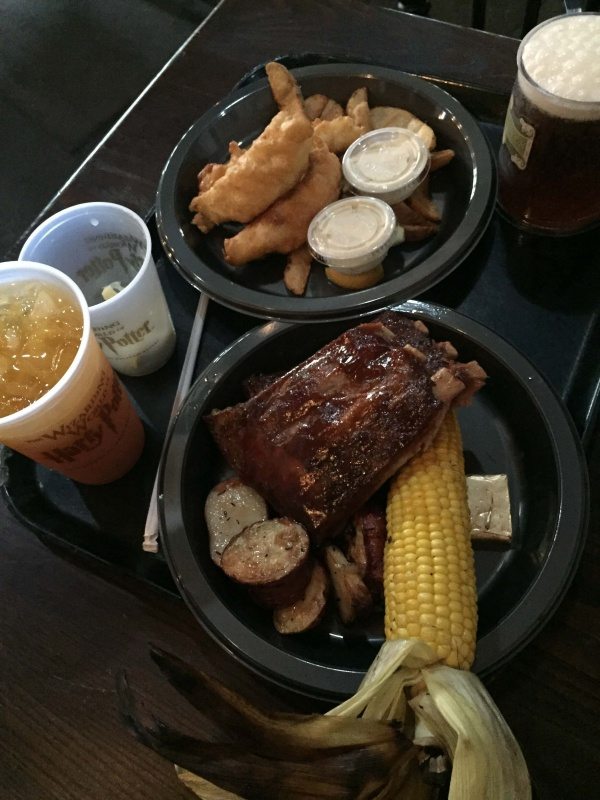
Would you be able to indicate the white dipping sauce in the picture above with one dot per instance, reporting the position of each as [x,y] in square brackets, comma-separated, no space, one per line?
[354,234]
[383,163]
[388,163]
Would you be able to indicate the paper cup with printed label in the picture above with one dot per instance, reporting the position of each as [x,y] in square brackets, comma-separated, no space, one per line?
[84,426]
[105,248]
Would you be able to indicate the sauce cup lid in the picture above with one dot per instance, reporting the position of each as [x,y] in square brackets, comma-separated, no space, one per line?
[388,163]
[354,234]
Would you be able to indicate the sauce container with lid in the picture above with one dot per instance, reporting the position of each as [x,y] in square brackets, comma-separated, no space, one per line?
[387,163]
[353,235]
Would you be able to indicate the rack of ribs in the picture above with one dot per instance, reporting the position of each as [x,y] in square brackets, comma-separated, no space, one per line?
[319,440]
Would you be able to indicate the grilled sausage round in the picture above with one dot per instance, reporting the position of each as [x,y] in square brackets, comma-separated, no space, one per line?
[230,507]
[305,613]
[270,558]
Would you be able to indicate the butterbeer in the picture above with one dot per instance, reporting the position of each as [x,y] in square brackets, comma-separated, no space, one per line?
[549,161]
[71,414]
[40,333]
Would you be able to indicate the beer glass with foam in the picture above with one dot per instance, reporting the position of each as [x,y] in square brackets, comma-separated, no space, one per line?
[549,161]
[61,403]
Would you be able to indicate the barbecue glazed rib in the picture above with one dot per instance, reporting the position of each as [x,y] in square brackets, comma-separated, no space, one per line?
[319,440]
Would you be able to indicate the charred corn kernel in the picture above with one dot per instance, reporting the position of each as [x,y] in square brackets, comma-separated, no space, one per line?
[428,515]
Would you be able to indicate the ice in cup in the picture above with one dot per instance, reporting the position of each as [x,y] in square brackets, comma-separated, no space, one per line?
[61,403]
[549,161]
[106,249]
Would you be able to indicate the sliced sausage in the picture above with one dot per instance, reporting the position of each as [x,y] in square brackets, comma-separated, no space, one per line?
[270,558]
[230,507]
[305,613]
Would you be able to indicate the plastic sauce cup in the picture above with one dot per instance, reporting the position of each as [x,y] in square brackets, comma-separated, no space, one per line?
[387,163]
[354,235]
[85,426]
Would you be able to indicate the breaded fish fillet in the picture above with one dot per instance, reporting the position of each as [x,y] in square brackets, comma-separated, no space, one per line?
[283,227]
[211,173]
[254,178]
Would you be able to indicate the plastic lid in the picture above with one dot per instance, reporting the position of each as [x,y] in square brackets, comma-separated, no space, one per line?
[352,235]
[388,163]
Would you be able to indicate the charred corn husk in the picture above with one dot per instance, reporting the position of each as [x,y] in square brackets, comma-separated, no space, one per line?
[245,753]
[430,625]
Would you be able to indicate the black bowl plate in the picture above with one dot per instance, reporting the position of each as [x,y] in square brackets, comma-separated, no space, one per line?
[464,190]
[516,425]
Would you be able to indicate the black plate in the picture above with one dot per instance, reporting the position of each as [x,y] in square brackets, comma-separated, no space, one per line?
[516,425]
[465,191]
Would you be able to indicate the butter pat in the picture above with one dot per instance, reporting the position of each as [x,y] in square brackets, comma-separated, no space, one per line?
[489,504]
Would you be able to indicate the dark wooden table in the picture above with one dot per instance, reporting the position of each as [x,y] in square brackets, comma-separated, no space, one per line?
[67,627]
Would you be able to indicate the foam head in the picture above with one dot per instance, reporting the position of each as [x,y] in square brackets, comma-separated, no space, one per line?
[559,66]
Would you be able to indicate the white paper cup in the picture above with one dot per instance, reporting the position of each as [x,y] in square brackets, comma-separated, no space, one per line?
[98,244]
[85,426]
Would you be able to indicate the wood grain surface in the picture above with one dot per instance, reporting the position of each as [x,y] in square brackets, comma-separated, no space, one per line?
[68,625]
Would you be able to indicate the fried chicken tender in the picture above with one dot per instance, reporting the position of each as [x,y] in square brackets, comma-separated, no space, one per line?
[253,179]
[339,133]
[211,173]
[283,227]
[391,117]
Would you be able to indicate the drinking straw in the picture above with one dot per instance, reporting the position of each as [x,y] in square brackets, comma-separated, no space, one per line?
[150,543]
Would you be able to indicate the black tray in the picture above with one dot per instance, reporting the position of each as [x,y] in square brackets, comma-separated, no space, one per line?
[540,294]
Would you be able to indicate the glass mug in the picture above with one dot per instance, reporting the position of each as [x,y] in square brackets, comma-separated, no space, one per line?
[549,160]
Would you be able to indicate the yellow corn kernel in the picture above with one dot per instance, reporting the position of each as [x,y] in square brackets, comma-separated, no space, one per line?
[428,514]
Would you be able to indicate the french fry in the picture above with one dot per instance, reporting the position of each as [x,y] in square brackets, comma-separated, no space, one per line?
[338,133]
[416,227]
[332,110]
[439,159]
[389,116]
[321,107]
[314,105]
[297,270]
[421,201]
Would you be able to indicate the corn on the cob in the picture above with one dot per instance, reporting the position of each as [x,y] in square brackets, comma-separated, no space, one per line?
[430,623]
[429,580]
